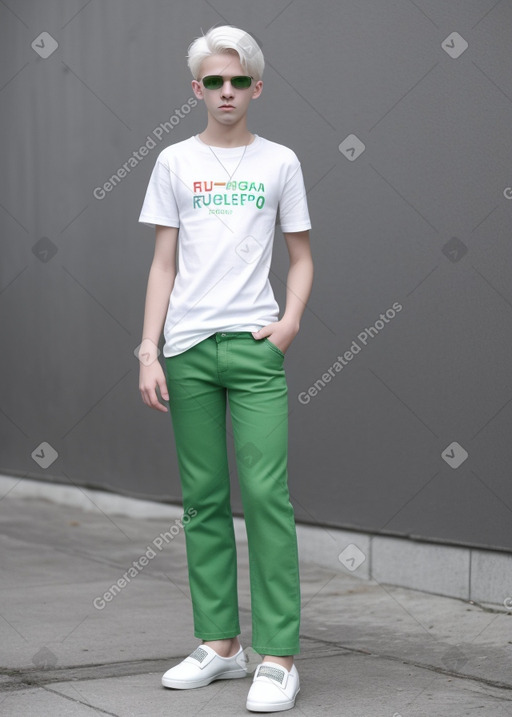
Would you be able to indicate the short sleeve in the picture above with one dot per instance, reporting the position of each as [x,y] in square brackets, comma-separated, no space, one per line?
[293,206]
[159,206]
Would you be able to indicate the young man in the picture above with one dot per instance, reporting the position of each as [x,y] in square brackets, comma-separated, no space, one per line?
[215,197]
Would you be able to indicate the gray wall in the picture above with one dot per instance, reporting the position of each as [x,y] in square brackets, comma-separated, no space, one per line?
[420,219]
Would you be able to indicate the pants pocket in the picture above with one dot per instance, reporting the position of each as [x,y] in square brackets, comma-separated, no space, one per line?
[274,347]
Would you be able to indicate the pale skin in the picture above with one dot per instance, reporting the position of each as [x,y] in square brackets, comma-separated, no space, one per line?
[227,127]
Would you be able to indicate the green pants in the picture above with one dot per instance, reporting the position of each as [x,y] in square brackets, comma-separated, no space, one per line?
[249,374]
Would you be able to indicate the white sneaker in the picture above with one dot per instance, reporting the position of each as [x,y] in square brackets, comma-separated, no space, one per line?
[203,666]
[274,688]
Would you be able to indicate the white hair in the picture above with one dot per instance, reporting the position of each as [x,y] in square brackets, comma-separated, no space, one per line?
[225,40]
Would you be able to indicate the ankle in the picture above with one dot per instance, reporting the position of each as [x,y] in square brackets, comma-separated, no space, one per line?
[227,647]
[285,660]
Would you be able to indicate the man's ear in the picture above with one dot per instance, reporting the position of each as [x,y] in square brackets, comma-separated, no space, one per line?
[198,89]
[258,88]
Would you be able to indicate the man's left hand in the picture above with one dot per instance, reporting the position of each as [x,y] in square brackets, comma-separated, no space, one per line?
[280,333]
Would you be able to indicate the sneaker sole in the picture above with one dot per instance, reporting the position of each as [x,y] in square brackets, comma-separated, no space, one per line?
[271,706]
[189,685]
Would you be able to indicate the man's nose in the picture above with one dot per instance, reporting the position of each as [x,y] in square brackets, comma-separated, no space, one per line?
[227,90]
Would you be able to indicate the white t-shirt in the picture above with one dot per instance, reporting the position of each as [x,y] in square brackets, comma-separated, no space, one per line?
[225,201]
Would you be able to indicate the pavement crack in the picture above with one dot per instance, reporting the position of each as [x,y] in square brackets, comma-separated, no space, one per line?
[21,679]
[80,702]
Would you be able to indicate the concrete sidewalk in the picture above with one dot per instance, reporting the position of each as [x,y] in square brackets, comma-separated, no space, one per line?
[70,645]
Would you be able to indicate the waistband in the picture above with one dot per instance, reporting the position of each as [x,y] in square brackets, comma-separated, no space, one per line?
[225,335]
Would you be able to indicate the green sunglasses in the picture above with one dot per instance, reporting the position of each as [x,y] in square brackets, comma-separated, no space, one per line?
[215,82]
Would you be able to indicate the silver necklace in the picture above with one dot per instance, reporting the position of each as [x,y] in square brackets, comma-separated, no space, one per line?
[222,165]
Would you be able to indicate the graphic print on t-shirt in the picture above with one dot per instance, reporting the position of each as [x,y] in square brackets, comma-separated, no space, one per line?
[226,209]
[227,194]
